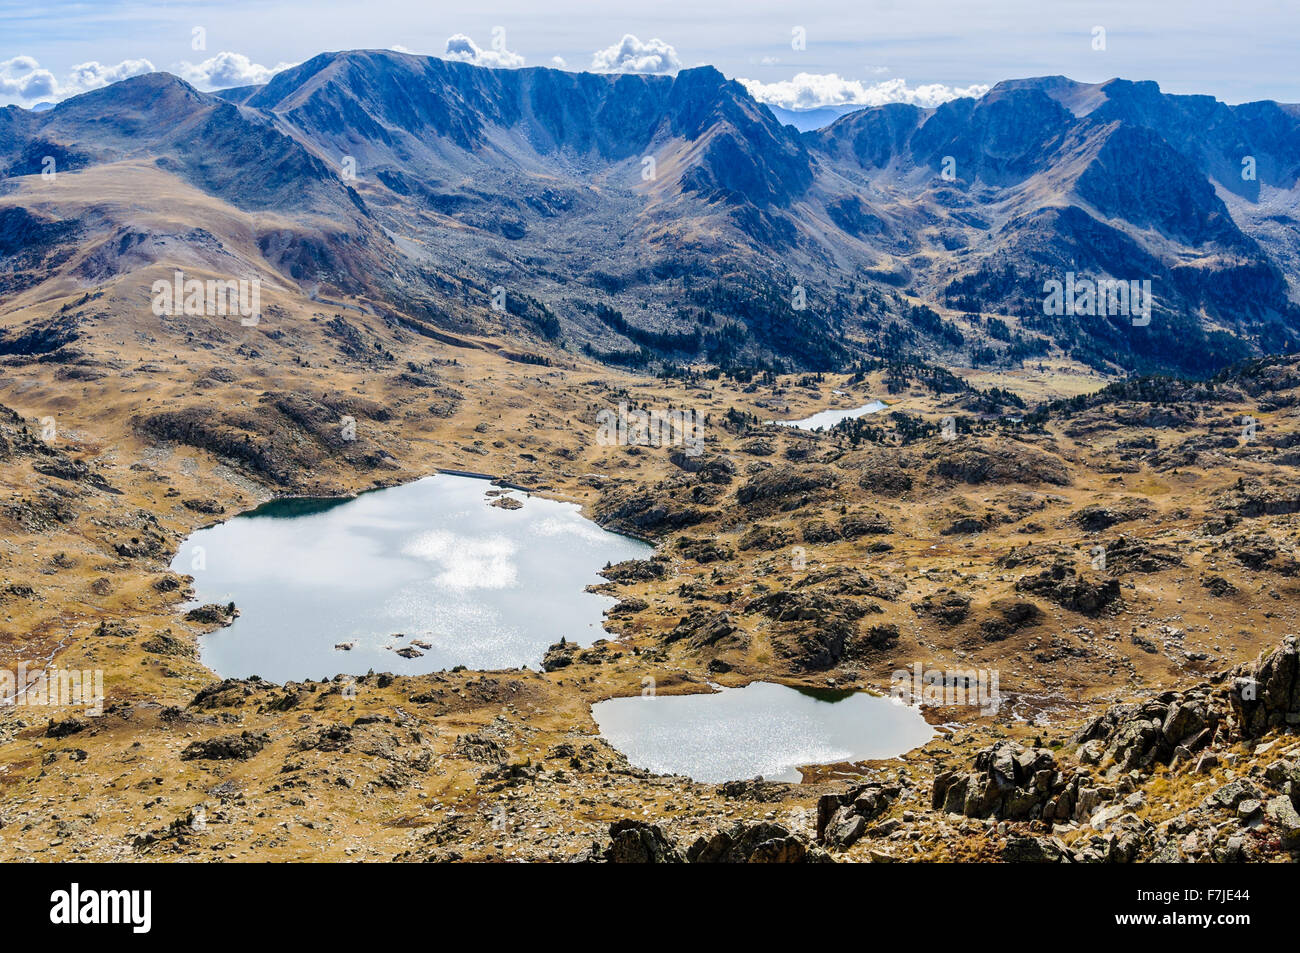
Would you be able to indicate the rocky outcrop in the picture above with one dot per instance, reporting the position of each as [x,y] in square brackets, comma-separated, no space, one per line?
[1266,693]
[645,513]
[238,747]
[1262,553]
[1008,781]
[880,638]
[1130,554]
[213,614]
[709,468]
[564,653]
[843,818]
[703,628]
[1012,616]
[760,843]
[637,842]
[945,607]
[704,550]
[558,656]
[764,537]
[1064,585]
[62,729]
[635,570]
[1250,498]
[1136,737]
[1096,517]
[824,628]
[811,605]
[845,581]
[885,471]
[777,485]
[641,842]
[165,643]
[1001,463]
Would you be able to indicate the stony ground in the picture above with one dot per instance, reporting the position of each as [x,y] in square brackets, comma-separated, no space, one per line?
[1127,546]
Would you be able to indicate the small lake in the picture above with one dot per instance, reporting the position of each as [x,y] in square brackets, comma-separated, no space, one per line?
[762,729]
[824,420]
[430,562]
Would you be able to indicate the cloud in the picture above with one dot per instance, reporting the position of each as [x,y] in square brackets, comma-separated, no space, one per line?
[95,75]
[630,55]
[464,50]
[559,63]
[811,90]
[229,69]
[22,78]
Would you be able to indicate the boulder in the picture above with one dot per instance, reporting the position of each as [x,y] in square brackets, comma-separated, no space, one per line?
[238,747]
[842,818]
[1008,781]
[1266,693]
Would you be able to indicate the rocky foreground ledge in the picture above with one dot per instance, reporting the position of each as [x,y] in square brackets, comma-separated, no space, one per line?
[1208,774]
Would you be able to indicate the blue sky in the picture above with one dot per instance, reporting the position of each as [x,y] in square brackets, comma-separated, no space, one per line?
[865,51]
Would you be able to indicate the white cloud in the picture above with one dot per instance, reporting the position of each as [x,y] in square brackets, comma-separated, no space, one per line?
[462,49]
[630,55]
[228,69]
[22,79]
[558,62]
[811,90]
[94,75]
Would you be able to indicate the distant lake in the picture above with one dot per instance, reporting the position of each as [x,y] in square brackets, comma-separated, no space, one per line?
[824,420]
[762,729]
[431,561]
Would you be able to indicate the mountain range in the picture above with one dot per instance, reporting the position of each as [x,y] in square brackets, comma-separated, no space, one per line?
[653,221]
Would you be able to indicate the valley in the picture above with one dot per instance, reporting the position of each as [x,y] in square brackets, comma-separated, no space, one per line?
[1102,514]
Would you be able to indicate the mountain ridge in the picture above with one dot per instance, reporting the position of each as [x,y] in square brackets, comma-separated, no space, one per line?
[415,174]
